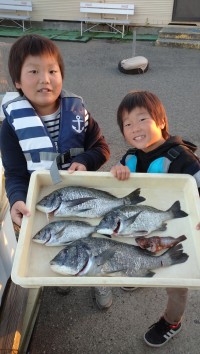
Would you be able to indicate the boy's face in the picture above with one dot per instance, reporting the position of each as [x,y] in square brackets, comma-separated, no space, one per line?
[141,131]
[41,83]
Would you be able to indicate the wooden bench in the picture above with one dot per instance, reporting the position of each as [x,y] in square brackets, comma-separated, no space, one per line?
[16,11]
[105,9]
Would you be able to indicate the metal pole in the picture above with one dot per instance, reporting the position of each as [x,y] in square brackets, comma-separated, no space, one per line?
[134,43]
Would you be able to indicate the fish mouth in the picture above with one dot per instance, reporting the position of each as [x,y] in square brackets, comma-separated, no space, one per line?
[116,230]
[41,241]
[83,269]
[50,212]
[44,209]
[106,231]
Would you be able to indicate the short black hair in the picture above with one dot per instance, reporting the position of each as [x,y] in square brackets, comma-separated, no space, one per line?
[31,44]
[150,102]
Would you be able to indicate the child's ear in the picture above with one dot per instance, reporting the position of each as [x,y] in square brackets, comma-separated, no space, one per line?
[17,85]
[162,125]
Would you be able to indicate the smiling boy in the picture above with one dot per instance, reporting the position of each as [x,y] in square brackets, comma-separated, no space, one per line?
[142,119]
[44,122]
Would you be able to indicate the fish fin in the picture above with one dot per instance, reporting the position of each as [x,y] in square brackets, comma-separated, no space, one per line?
[109,236]
[174,255]
[175,248]
[176,210]
[104,256]
[163,227]
[83,210]
[181,238]
[58,235]
[131,220]
[141,233]
[150,274]
[142,274]
[138,238]
[37,240]
[121,271]
[134,197]
[77,201]
[65,243]
[60,232]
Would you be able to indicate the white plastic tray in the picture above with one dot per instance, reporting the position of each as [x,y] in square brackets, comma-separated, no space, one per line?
[31,264]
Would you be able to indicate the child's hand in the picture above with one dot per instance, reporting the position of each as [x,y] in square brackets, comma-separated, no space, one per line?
[198,226]
[17,211]
[75,166]
[120,172]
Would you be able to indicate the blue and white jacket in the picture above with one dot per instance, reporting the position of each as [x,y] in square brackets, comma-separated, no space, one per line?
[26,145]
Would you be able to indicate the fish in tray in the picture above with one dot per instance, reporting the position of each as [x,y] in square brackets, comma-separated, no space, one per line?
[98,256]
[84,202]
[156,244]
[61,232]
[138,220]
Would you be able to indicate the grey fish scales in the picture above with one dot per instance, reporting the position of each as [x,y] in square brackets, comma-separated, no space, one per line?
[137,220]
[84,202]
[90,257]
[60,232]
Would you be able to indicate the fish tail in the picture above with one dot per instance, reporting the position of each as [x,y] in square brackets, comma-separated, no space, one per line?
[150,274]
[176,210]
[181,238]
[134,197]
[174,255]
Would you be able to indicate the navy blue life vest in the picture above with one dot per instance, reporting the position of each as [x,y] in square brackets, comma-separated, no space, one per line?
[35,141]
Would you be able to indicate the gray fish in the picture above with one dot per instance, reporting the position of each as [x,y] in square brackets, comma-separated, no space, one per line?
[60,232]
[138,220]
[95,256]
[84,202]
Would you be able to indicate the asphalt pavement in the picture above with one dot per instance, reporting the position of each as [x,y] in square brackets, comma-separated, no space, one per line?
[72,323]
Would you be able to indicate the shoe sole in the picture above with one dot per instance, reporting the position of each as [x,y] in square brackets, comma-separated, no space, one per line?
[63,290]
[167,339]
[100,307]
[129,289]
[103,308]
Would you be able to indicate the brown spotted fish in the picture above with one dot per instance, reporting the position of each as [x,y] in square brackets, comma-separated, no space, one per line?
[156,243]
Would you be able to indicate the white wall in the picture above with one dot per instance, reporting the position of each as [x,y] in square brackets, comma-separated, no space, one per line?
[151,12]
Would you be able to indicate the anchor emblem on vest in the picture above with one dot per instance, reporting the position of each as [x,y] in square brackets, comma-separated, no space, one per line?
[78,120]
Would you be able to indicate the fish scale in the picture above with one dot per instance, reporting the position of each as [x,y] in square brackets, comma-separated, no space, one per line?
[135,220]
[84,202]
[96,256]
[60,232]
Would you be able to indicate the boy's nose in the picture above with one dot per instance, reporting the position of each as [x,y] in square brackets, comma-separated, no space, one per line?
[44,78]
[135,128]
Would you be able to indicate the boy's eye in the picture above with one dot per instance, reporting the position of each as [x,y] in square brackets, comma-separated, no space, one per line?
[127,124]
[33,71]
[53,71]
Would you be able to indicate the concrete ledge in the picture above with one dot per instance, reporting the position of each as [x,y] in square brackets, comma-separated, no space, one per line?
[177,43]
